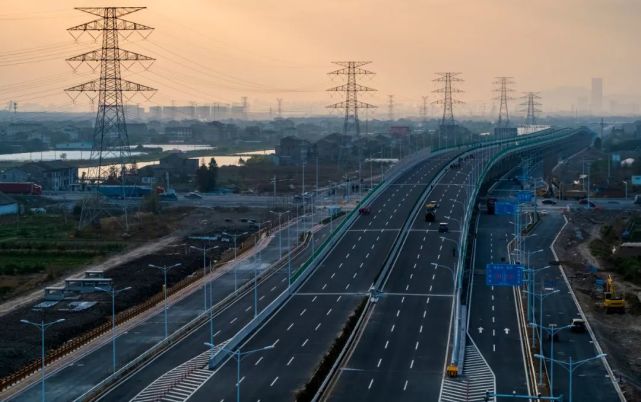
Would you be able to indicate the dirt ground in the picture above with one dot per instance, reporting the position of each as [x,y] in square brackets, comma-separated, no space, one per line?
[618,334]
[20,344]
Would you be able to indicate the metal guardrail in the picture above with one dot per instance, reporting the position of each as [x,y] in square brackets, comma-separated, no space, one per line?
[546,137]
[160,347]
[122,317]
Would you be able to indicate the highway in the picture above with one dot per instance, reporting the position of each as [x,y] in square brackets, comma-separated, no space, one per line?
[303,330]
[402,350]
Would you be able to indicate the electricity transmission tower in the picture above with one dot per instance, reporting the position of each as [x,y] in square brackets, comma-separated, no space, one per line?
[351,104]
[503,88]
[531,103]
[390,108]
[279,110]
[110,140]
[447,89]
[424,109]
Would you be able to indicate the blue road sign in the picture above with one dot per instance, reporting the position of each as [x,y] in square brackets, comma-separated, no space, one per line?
[524,196]
[504,208]
[503,275]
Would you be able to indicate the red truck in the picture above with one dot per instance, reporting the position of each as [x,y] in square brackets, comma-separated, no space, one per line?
[25,188]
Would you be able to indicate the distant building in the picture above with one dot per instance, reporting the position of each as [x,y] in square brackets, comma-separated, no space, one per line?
[178,133]
[177,164]
[8,206]
[334,147]
[293,151]
[596,101]
[51,175]
[399,131]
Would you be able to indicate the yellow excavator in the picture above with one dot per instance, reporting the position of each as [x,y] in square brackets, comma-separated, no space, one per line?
[612,301]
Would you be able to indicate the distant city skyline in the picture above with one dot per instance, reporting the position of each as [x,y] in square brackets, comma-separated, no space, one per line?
[285,49]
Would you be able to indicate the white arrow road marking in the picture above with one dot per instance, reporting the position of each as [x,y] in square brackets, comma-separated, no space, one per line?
[480,330]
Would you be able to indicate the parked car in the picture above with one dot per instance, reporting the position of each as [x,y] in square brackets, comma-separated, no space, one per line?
[584,201]
[193,196]
[364,211]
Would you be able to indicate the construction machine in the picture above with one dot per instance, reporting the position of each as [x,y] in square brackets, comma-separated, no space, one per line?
[612,301]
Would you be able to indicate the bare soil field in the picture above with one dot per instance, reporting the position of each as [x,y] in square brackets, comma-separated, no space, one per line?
[618,334]
[21,343]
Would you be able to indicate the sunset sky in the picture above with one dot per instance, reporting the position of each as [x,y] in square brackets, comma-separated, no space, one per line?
[217,51]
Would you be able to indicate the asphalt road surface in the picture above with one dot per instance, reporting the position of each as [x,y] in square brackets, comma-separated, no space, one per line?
[401,353]
[304,329]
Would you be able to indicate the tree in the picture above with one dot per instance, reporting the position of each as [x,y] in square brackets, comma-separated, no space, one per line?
[212,174]
[206,177]
[202,178]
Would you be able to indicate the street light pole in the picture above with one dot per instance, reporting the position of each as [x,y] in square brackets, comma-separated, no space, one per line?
[552,330]
[204,250]
[280,232]
[571,365]
[43,327]
[237,354]
[164,270]
[113,292]
[542,296]
[235,236]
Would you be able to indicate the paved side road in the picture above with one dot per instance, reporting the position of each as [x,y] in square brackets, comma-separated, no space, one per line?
[72,380]
[591,381]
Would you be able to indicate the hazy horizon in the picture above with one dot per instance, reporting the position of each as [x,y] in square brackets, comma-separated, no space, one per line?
[266,50]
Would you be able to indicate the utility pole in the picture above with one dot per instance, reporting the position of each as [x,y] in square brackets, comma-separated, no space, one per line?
[531,103]
[503,88]
[279,110]
[351,104]
[110,140]
[390,108]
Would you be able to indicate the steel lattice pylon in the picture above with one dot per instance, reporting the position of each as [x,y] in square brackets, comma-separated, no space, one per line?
[531,103]
[351,104]
[448,100]
[110,140]
[503,88]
